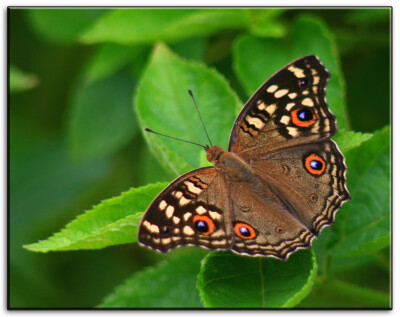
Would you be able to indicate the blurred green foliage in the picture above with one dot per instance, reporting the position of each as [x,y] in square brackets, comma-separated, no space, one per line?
[83,82]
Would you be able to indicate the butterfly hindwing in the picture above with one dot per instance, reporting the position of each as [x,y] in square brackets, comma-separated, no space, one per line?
[190,211]
[308,179]
[288,109]
[263,225]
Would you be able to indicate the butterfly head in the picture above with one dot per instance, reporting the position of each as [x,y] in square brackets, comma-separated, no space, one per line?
[214,153]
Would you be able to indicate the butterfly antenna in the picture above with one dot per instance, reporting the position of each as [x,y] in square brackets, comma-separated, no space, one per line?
[171,137]
[197,108]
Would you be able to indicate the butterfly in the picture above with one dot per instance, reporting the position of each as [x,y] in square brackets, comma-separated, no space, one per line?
[279,184]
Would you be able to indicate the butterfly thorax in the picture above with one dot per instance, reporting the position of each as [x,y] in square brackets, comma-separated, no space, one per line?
[230,164]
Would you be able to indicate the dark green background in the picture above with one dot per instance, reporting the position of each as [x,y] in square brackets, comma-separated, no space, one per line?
[51,181]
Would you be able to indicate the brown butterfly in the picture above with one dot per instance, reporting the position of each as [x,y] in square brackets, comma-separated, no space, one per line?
[280,182]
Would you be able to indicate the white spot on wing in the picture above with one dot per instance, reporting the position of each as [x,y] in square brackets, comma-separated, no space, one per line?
[170,211]
[327,128]
[292,95]
[292,131]
[272,88]
[255,121]
[285,120]
[187,215]
[162,205]
[261,105]
[176,220]
[188,231]
[266,248]
[298,72]
[154,229]
[280,93]
[178,194]
[217,242]
[219,234]
[183,201]
[192,188]
[307,102]
[201,210]
[252,246]
[146,224]
[271,108]
[215,215]
[290,105]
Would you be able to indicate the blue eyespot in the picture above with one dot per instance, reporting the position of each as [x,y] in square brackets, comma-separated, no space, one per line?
[204,224]
[317,165]
[201,226]
[304,115]
[303,82]
[165,229]
[244,231]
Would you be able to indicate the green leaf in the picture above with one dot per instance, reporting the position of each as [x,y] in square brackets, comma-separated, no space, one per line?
[108,59]
[348,140]
[147,26]
[43,178]
[149,170]
[163,103]
[265,22]
[102,120]
[113,221]
[230,281]
[255,59]
[63,25]
[169,284]
[364,223]
[368,16]
[20,81]
[192,48]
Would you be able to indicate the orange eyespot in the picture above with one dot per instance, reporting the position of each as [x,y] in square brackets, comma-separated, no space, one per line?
[204,224]
[303,117]
[315,164]
[244,231]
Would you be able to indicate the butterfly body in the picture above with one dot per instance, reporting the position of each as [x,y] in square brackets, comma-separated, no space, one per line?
[280,182]
[230,165]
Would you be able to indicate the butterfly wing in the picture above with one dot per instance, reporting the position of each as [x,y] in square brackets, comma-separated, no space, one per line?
[309,180]
[263,225]
[192,210]
[283,133]
[303,187]
[288,109]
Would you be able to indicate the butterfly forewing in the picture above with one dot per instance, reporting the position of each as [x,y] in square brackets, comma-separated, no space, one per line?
[192,210]
[288,109]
